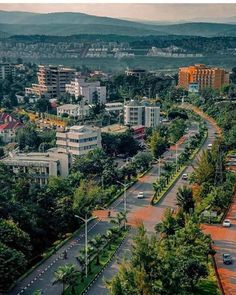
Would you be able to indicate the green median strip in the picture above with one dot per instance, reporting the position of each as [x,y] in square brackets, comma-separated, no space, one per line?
[105,258]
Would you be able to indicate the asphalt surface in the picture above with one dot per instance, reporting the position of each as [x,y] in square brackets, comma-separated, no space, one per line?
[139,209]
[224,242]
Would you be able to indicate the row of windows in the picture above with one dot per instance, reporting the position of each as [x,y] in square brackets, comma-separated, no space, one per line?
[82,140]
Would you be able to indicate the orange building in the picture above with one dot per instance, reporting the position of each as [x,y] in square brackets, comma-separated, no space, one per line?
[203,76]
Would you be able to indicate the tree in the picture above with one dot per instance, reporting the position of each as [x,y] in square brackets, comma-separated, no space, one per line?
[142,160]
[13,264]
[158,144]
[67,275]
[43,105]
[185,199]
[27,137]
[97,243]
[205,169]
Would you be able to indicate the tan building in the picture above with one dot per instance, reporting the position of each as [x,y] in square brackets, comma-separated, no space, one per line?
[203,77]
[52,81]
[79,140]
[39,166]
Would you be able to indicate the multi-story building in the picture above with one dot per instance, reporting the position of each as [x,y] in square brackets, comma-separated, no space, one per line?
[138,73]
[39,166]
[202,76]
[91,91]
[114,107]
[74,110]
[7,69]
[141,113]
[8,127]
[79,140]
[52,81]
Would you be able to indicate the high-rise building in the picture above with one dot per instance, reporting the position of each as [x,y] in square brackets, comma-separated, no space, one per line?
[201,76]
[141,113]
[6,69]
[91,91]
[79,140]
[52,81]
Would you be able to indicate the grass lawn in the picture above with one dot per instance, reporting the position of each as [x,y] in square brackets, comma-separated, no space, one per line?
[209,285]
[95,269]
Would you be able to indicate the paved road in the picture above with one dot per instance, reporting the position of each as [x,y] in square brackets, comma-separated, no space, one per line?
[42,277]
[224,242]
[150,216]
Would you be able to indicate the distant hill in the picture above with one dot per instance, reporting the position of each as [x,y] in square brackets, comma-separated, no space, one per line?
[69,23]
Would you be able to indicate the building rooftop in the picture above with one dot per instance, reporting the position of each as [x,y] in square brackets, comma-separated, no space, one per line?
[115,128]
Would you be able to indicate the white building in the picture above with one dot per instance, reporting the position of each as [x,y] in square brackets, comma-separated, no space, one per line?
[79,140]
[89,90]
[114,107]
[134,113]
[39,166]
[73,110]
[141,113]
[152,116]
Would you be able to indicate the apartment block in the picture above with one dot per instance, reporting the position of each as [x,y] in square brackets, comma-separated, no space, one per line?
[7,69]
[52,81]
[141,113]
[91,91]
[79,140]
[39,166]
[74,110]
[203,77]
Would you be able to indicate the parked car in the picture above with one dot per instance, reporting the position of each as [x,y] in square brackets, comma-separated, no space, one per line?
[227,259]
[226,223]
[140,195]
[185,176]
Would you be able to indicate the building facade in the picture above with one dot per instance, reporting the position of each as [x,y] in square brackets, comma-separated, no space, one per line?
[141,113]
[39,166]
[91,91]
[138,73]
[8,127]
[7,69]
[202,75]
[52,81]
[74,110]
[79,140]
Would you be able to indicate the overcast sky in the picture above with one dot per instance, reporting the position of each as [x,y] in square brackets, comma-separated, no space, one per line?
[158,12]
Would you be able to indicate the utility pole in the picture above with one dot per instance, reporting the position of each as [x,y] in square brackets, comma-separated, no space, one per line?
[176,157]
[125,197]
[86,221]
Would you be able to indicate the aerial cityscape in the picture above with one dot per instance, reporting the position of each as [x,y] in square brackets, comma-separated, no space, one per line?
[117,149]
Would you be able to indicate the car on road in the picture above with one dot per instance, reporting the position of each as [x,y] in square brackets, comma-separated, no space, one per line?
[209,147]
[185,176]
[140,195]
[226,223]
[227,259]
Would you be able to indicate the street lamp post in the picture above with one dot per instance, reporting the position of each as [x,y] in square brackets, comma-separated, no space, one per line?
[125,197]
[86,220]
[176,157]
[159,167]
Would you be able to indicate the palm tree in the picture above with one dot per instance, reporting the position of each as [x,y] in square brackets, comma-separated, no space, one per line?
[67,275]
[185,198]
[156,187]
[117,220]
[97,243]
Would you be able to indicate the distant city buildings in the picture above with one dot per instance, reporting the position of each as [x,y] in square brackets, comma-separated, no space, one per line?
[171,51]
[38,166]
[141,113]
[200,76]
[52,81]
[91,91]
[79,140]
[8,127]
[6,70]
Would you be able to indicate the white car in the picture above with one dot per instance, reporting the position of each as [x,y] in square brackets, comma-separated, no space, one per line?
[185,176]
[226,223]
[140,195]
[209,147]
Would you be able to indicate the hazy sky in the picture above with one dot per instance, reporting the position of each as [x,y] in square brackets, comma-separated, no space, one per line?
[135,11]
